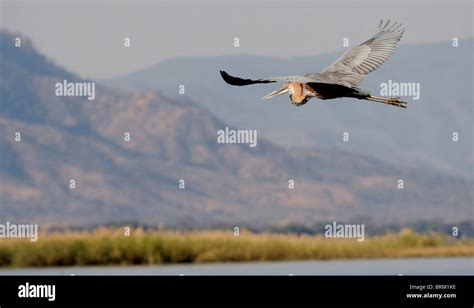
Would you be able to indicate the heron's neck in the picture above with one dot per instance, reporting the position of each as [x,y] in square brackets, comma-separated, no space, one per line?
[297,93]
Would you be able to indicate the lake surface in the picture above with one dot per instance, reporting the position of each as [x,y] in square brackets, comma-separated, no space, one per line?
[403,266]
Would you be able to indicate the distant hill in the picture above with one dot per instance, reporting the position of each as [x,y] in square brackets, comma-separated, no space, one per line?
[420,135]
[65,138]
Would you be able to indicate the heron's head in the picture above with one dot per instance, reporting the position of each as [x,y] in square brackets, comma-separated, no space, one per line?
[298,95]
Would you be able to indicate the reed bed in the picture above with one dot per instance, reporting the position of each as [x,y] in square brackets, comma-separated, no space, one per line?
[112,247]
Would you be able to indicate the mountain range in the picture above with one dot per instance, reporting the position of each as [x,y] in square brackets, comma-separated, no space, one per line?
[173,137]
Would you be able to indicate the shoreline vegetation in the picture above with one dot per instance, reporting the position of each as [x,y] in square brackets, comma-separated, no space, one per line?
[112,247]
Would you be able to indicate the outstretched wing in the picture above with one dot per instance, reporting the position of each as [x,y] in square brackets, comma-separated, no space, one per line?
[351,67]
[236,81]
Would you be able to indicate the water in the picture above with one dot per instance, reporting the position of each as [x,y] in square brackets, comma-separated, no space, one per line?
[403,266]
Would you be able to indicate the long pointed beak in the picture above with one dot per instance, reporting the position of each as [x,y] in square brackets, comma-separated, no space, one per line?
[275,93]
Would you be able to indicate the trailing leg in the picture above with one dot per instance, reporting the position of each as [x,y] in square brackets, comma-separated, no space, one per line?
[394,101]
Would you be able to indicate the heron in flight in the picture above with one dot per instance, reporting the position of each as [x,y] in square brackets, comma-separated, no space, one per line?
[341,78]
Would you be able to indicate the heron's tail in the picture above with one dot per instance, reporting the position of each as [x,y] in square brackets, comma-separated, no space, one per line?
[394,101]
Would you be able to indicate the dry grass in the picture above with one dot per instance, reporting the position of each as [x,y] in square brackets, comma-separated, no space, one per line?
[106,247]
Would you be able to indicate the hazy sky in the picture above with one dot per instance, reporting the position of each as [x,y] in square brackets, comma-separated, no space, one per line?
[86,37]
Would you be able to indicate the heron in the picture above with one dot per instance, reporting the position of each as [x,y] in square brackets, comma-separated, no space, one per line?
[342,77]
